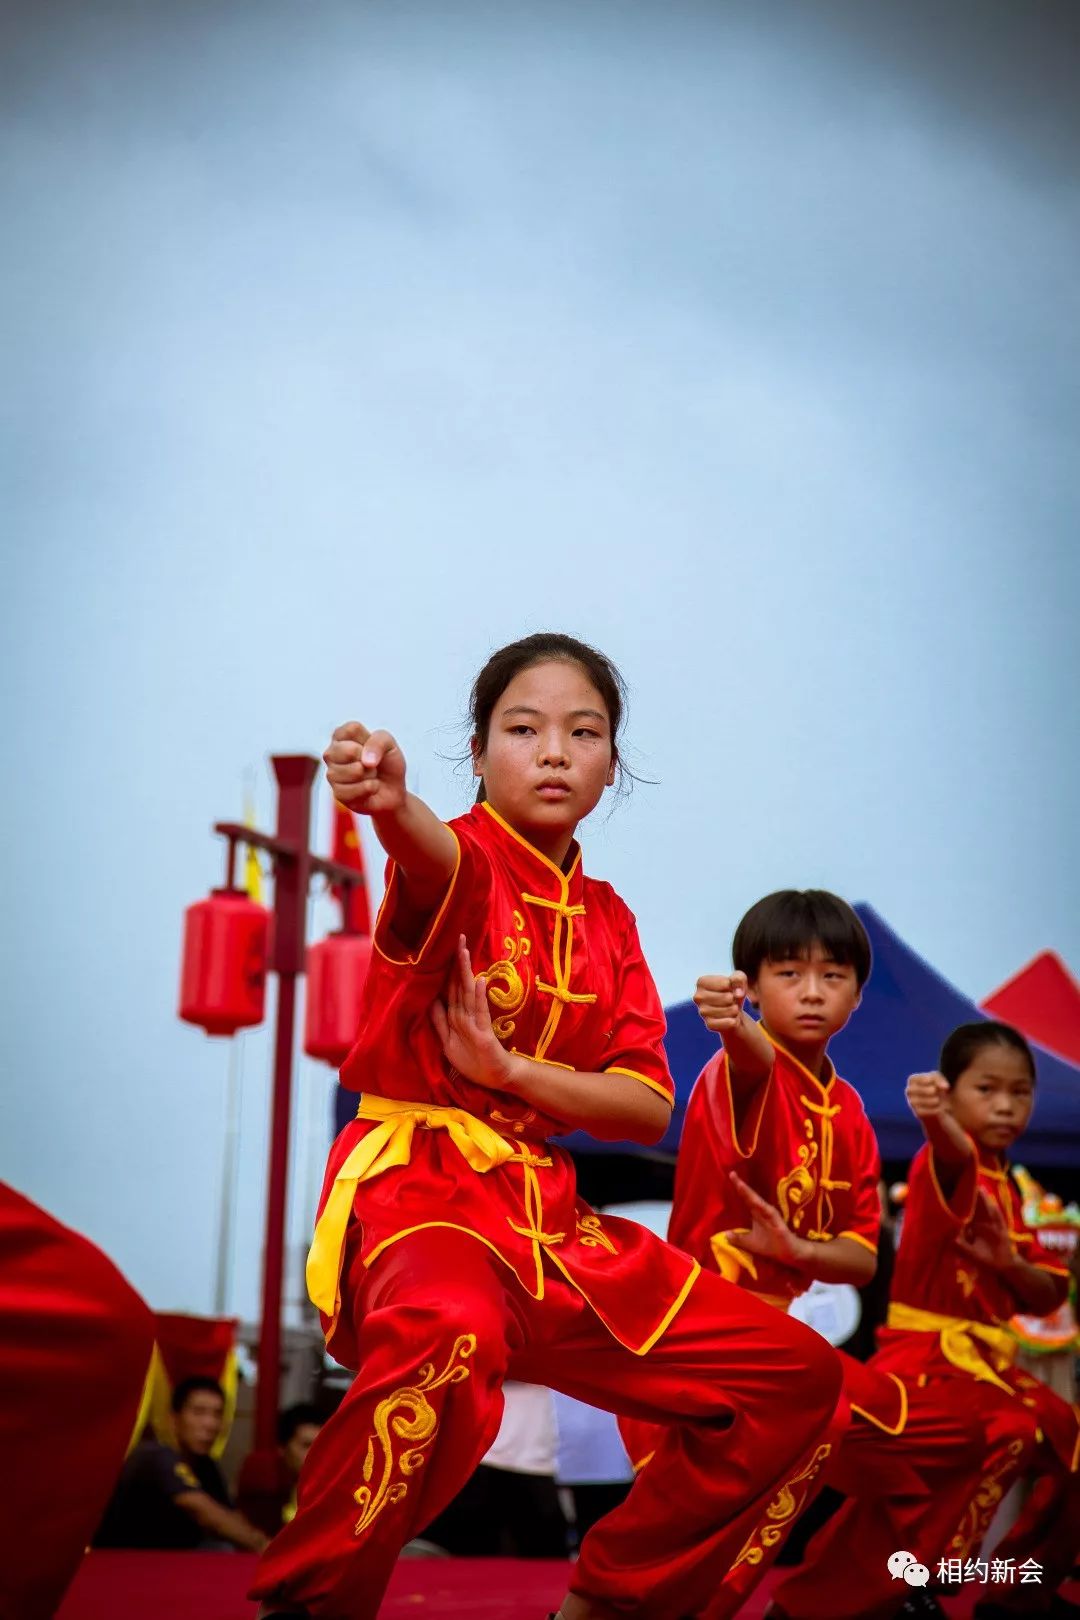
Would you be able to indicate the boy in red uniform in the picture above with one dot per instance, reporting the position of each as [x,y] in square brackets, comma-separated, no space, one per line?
[451,1249]
[965,1265]
[777,1184]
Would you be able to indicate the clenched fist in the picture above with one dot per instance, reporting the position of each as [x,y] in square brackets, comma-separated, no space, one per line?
[927,1095]
[719,999]
[365,769]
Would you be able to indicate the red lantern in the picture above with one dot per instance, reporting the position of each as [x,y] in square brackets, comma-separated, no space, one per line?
[336,970]
[223,976]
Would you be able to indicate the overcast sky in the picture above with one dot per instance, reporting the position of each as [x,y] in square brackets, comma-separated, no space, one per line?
[343,342]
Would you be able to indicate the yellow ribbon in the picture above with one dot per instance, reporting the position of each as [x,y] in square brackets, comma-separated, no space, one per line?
[958,1340]
[730,1259]
[385,1148]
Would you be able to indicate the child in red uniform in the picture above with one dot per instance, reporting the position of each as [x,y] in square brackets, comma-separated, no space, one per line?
[777,1184]
[508,1000]
[965,1265]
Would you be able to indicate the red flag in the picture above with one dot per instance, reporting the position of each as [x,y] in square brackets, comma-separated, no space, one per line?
[348,850]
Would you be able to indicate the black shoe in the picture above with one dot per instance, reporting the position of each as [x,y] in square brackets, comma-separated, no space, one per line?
[921,1605]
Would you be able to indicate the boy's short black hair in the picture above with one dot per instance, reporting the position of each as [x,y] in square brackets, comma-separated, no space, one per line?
[194,1386]
[965,1043]
[294,1417]
[790,922]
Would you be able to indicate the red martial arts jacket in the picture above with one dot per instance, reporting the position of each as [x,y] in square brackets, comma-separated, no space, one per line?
[949,1312]
[567,985]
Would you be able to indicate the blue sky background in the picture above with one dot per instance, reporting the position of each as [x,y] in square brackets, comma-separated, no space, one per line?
[344,342]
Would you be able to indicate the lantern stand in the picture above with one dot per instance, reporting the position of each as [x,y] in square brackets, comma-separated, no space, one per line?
[294,866]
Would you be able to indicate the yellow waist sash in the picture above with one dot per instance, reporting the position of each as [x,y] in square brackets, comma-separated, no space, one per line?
[731,1262]
[384,1148]
[960,1340]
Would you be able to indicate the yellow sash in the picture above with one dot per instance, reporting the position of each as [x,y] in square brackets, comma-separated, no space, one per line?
[389,1145]
[731,1261]
[958,1340]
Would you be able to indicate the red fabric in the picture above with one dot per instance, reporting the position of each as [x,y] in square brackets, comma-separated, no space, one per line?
[936,1509]
[194,1346]
[75,1344]
[806,1147]
[933,1274]
[809,1149]
[904,1493]
[347,848]
[568,984]
[440,1323]
[597,1009]
[1047,1531]
[1043,1000]
[1027,1425]
[1011,1447]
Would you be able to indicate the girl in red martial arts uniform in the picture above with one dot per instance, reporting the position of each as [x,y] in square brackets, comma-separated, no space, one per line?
[964,1267]
[508,1002]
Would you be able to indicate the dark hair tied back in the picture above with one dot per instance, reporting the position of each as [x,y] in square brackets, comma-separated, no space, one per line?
[965,1043]
[547,646]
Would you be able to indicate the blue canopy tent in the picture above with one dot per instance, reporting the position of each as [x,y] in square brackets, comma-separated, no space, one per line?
[907,1010]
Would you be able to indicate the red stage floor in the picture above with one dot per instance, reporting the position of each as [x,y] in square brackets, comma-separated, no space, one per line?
[212,1586]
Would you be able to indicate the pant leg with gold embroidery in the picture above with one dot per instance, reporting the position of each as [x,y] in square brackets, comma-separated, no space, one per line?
[744,1401]
[744,1395]
[905,1493]
[435,1320]
[1010,1445]
[1035,1433]
[1047,1532]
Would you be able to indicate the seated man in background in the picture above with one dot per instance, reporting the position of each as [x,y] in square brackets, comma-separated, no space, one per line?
[266,1491]
[178,1498]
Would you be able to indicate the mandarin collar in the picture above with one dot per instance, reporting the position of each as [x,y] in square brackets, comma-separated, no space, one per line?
[536,869]
[824,1085]
[991,1162]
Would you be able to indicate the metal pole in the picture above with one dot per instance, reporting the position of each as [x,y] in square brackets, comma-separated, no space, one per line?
[229,1168]
[295,774]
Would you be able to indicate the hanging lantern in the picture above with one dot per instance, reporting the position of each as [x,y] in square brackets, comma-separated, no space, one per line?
[336,971]
[223,974]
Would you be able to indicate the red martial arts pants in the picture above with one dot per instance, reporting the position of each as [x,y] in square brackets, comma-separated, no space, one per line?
[75,1344]
[1047,1533]
[745,1396]
[905,1492]
[1010,1446]
[1047,1530]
